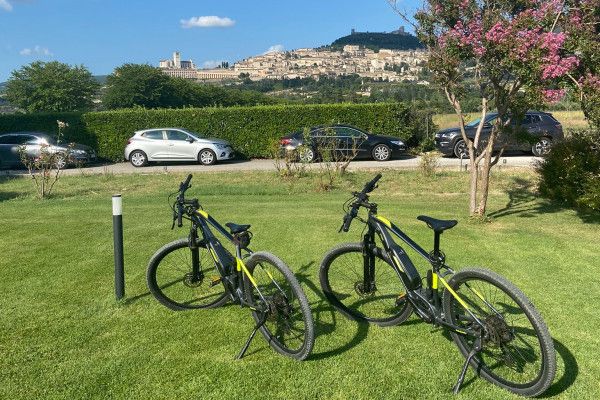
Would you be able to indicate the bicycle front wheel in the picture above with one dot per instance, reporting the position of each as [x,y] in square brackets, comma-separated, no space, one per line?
[517,350]
[288,324]
[173,281]
[342,280]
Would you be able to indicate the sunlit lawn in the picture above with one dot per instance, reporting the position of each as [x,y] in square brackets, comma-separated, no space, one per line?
[62,335]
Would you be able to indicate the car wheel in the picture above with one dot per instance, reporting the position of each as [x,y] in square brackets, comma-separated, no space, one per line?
[381,152]
[60,161]
[306,155]
[207,157]
[542,147]
[460,149]
[138,158]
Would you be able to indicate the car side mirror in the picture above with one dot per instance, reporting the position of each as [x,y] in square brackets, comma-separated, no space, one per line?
[190,139]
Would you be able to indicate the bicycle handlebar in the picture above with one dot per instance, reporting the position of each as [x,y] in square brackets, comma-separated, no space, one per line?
[361,197]
[370,186]
[183,186]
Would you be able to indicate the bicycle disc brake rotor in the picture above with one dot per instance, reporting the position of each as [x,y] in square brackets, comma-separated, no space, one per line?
[190,281]
[359,287]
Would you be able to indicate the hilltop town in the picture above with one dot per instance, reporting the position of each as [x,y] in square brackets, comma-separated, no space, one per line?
[384,65]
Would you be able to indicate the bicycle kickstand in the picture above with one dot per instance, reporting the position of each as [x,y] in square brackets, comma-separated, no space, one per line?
[476,349]
[256,328]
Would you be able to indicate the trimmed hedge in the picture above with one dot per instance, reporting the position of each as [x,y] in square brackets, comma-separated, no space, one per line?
[252,131]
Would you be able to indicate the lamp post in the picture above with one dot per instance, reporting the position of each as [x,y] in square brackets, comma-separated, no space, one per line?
[117,210]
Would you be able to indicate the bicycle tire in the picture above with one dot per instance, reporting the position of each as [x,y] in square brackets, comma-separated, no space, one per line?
[289,308]
[179,293]
[504,332]
[356,305]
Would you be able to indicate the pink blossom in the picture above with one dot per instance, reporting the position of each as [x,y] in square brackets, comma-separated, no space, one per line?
[553,95]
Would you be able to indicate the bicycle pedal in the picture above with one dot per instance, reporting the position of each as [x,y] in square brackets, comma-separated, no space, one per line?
[214,281]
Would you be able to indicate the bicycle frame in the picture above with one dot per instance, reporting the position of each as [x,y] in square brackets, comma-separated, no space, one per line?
[231,279]
[410,277]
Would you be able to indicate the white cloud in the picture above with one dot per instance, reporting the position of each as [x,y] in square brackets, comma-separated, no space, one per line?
[276,48]
[37,50]
[5,5]
[211,64]
[207,21]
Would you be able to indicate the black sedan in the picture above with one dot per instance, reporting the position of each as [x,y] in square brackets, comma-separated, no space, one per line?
[539,131]
[342,139]
[32,142]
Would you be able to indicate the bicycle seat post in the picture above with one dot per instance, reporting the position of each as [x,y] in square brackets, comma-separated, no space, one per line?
[436,243]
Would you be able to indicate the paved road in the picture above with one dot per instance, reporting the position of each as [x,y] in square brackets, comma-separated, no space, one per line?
[512,161]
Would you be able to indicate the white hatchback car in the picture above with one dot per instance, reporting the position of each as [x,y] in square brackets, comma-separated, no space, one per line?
[175,144]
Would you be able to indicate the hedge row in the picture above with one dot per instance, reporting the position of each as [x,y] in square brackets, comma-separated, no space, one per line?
[251,130]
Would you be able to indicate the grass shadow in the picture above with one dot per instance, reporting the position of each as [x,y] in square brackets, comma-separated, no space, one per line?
[322,313]
[525,202]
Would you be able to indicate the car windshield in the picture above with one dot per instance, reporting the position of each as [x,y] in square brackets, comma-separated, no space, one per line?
[195,134]
[474,123]
[50,139]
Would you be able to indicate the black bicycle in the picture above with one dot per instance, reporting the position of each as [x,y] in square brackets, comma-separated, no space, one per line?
[495,326]
[198,272]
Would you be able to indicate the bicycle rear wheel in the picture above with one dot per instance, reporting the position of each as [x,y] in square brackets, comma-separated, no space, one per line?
[288,327]
[342,280]
[518,352]
[171,280]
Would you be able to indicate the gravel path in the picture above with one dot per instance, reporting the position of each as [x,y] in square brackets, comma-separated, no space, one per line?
[512,161]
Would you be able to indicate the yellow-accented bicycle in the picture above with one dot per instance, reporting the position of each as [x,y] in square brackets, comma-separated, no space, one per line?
[198,272]
[495,326]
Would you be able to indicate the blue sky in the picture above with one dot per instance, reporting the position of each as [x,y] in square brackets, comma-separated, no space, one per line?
[103,34]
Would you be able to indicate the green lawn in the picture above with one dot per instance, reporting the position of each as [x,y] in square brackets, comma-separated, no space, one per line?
[62,335]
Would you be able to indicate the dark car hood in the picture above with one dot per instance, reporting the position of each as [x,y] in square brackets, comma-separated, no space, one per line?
[449,130]
[384,137]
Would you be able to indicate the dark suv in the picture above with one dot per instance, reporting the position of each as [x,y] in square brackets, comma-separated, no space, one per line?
[344,139]
[540,130]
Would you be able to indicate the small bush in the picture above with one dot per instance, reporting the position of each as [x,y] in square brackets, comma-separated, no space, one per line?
[570,173]
[429,163]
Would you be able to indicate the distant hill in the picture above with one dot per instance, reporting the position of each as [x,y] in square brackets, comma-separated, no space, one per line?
[376,41]
[101,79]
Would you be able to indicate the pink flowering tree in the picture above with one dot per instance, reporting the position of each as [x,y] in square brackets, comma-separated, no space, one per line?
[510,51]
[582,27]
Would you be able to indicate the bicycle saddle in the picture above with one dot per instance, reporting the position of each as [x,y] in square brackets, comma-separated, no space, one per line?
[438,225]
[235,228]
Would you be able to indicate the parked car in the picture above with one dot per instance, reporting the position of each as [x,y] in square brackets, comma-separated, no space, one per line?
[541,128]
[344,139]
[33,142]
[175,144]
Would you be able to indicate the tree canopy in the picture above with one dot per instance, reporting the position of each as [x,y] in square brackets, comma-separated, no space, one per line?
[51,87]
[141,85]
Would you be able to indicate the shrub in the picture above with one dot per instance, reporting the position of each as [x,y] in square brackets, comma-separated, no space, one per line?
[251,130]
[570,173]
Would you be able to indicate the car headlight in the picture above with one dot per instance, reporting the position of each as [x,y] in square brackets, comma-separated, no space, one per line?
[221,146]
[79,152]
[397,142]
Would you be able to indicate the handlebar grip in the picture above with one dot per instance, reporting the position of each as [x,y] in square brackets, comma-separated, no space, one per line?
[180,216]
[371,185]
[348,219]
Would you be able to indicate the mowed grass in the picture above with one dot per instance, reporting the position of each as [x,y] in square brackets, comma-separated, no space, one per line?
[568,119]
[63,335]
